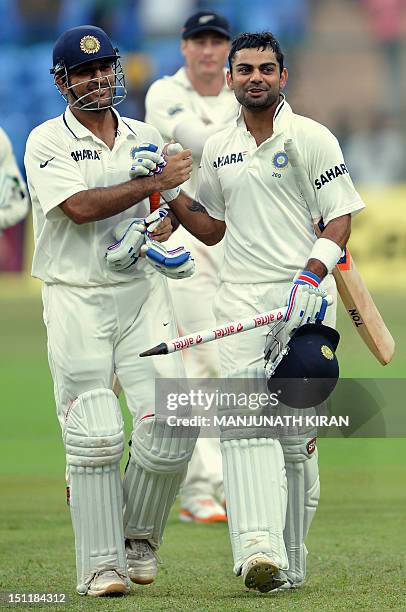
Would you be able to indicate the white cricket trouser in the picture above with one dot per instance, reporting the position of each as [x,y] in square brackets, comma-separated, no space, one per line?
[193,299]
[96,331]
[245,352]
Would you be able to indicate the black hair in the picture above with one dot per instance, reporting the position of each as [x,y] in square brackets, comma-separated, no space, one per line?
[256,40]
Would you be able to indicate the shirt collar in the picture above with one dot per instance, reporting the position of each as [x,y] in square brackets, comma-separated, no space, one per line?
[78,130]
[281,119]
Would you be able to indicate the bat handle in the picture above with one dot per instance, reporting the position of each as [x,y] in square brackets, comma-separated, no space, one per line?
[154,201]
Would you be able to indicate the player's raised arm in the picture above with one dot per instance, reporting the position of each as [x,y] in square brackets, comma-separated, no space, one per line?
[104,202]
[189,212]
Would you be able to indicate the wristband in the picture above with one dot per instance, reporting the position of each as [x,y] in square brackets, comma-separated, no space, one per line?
[171,194]
[326,251]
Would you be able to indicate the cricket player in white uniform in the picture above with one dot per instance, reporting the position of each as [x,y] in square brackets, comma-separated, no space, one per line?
[14,201]
[102,304]
[188,107]
[247,192]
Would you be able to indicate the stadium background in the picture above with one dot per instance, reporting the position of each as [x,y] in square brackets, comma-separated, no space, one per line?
[346,60]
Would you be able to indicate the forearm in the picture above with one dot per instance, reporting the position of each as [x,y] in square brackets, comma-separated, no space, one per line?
[195,218]
[103,202]
[338,231]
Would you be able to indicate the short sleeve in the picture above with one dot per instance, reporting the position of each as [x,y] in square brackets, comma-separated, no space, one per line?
[209,192]
[334,189]
[167,105]
[52,173]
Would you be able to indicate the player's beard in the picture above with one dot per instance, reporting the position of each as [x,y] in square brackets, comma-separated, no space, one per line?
[260,104]
[85,101]
[99,104]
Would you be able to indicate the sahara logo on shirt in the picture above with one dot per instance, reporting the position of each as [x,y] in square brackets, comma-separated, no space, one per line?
[329,175]
[230,158]
[86,154]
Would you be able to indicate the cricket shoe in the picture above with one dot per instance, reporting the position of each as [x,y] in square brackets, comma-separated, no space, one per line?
[289,584]
[108,583]
[202,510]
[260,573]
[141,561]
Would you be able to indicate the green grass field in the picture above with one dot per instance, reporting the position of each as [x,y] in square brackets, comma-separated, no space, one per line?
[357,542]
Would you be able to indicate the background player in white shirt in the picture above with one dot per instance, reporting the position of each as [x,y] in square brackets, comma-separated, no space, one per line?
[188,107]
[102,303]
[14,201]
[247,192]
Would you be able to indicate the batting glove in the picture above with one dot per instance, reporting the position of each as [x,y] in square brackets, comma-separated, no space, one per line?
[148,160]
[175,264]
[171,194]
[154,219]
[305,302]
[123,254]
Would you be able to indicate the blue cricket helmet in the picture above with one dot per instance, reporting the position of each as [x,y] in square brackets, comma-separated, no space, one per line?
[309,371]
[80,45]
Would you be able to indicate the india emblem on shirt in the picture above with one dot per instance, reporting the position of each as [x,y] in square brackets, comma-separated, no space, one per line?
[89,44]
[280,160]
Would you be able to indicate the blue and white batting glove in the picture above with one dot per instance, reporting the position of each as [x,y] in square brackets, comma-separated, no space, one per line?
[150,223]
[154,219]
[305,302]
[123,254]
[147,160]
[175,264]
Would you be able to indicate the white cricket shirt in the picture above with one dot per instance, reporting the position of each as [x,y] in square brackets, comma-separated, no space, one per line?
[269,232]
[62,158]
[172,100]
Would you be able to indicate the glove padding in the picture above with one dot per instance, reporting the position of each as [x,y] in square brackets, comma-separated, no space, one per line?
[175,264]
[150,223]
[148,160]
[124,253]
[305,302]
[130,236]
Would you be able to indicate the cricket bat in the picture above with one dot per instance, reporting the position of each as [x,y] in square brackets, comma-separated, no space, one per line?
[154,202]
[353,292]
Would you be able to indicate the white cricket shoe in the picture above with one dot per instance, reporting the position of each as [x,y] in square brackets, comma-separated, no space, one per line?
[141,561]
[202,510]
[108,583]
[259,572]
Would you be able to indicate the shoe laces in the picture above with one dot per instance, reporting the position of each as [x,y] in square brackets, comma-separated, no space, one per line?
[140,549]
[106,570]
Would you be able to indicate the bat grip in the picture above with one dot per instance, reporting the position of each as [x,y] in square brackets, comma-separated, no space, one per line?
[154,201]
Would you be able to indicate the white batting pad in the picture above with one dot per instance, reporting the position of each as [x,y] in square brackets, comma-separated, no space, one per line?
[157,466]
[302,474]
[255,488]
[94,443]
